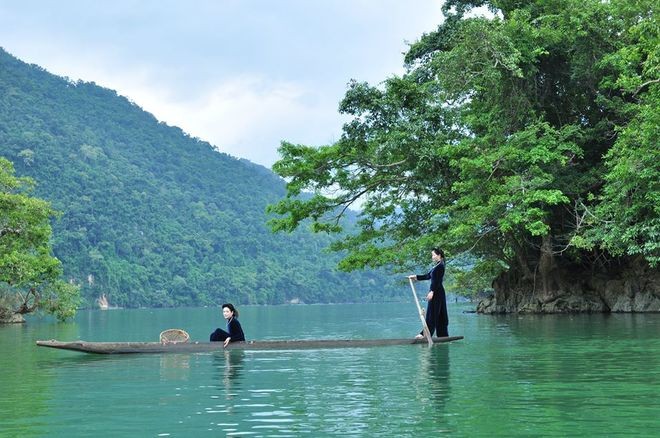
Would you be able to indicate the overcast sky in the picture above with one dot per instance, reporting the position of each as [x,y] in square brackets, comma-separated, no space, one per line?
[240,74]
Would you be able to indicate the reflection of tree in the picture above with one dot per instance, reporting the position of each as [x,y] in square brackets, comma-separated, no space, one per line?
[27,376]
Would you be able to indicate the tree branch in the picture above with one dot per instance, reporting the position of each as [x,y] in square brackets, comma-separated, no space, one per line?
[25,306]
[641,87]
[376,166]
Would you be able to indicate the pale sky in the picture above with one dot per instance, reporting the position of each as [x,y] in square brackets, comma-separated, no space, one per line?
[241,74]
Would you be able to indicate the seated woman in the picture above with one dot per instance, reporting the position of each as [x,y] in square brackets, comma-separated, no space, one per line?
[234,331]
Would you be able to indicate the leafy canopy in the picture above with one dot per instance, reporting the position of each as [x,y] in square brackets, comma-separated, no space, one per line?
[29,274]
[527,138]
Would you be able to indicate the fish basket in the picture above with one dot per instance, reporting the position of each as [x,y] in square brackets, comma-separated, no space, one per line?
[174,336]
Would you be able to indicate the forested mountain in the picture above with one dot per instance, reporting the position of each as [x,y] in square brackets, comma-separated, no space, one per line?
[154,217]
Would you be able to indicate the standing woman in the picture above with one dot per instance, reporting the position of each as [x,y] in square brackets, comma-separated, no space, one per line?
[234,331]
[436,309]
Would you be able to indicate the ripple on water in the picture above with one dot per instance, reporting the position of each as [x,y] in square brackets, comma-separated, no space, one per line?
[554,376]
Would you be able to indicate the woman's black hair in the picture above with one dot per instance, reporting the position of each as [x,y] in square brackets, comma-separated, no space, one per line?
[438,251]
[232,308]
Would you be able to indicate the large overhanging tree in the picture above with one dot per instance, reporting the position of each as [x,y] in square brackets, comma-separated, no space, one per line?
[29,274]
[527,138]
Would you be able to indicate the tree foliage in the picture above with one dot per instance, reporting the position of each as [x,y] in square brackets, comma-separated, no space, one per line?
[527,138]
[152,217]
[30,277]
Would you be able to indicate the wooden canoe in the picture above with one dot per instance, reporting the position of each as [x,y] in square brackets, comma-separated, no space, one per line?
[200,347]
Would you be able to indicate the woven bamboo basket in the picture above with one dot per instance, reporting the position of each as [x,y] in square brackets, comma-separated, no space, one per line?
[174,336]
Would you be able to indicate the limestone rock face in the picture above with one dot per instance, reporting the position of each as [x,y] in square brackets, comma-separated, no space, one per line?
[12,319]
[634,287]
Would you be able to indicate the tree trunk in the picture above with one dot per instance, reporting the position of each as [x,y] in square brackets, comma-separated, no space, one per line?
[547,266]
[522,258]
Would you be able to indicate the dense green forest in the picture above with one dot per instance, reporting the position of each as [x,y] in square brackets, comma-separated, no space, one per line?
[150,216]
[527,138]
[30,277]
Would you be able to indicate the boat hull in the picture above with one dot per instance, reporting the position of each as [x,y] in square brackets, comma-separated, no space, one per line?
[201,347]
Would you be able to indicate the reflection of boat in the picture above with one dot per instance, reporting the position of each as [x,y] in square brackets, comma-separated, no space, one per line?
[103,302]
[199,347]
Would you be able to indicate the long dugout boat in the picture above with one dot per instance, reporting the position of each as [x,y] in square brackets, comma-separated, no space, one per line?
[201,347]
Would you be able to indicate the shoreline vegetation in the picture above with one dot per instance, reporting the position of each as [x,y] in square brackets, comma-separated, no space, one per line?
[523,148]
[513,139]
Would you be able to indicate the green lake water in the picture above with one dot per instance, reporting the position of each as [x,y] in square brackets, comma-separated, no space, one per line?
[563,375]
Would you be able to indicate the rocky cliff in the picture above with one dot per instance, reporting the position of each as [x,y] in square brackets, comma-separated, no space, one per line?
[631,286]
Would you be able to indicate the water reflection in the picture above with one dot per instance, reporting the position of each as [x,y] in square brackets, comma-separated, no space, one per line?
[434,365]
[513,375]
[231,364]
[174,366]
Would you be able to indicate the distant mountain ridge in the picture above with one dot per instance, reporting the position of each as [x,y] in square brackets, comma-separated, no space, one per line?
[153,217]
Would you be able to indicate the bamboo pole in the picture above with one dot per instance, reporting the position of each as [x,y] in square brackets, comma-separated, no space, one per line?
[425,328]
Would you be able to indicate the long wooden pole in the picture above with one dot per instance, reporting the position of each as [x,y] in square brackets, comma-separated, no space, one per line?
[425,328]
